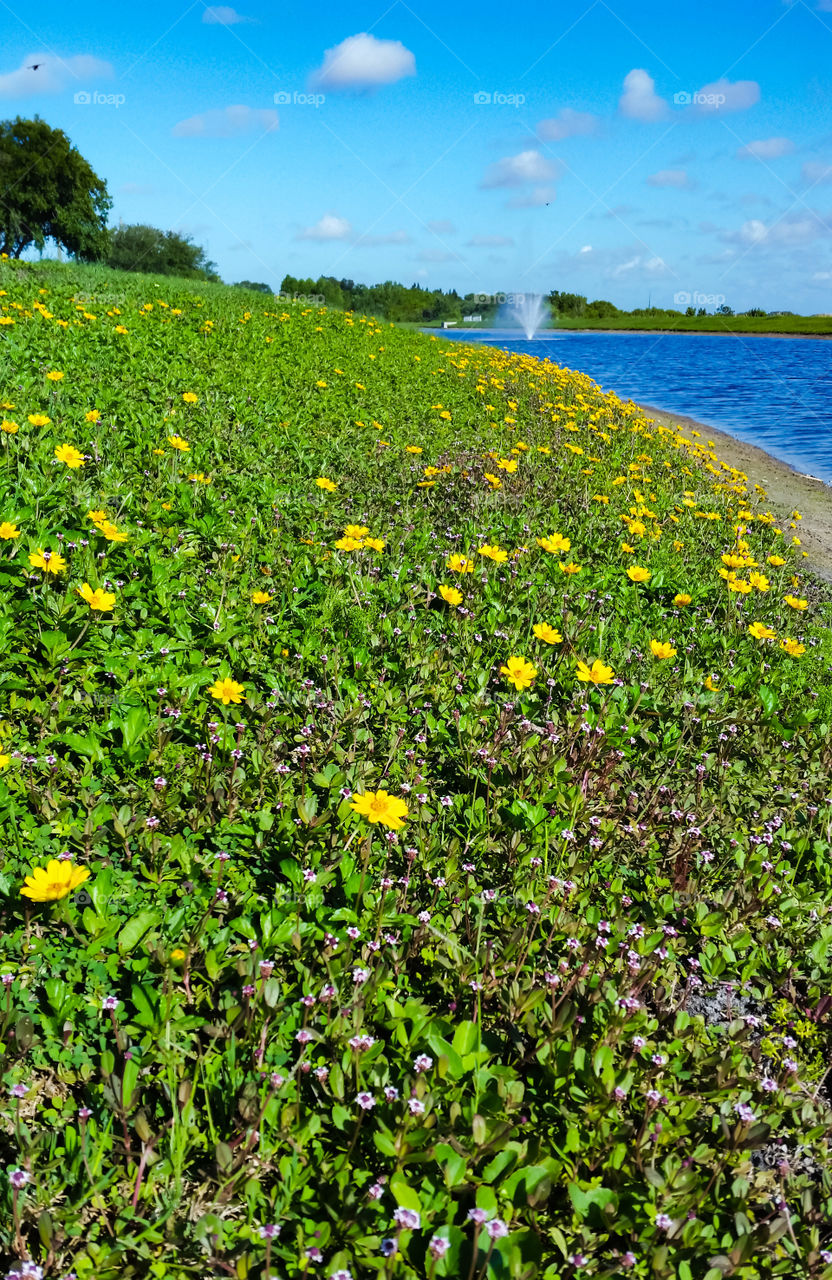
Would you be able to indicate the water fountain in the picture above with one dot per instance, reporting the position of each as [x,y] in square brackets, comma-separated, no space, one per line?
[529,311]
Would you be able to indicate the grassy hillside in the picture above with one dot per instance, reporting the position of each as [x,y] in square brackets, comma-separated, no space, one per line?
[415,804]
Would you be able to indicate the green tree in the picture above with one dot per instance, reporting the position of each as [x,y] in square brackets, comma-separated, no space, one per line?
[139,247]
[48,191]
[257,285]
[567,304]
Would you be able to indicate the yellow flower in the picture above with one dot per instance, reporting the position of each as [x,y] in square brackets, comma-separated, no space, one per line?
[9,427]
[733,562]
[189,397]
[460,564]
[680,598]
[176,442]
[759,581]
[625,546]
[709,684]
[66,453]
[54,375]
[494,481]
[378,806]
[637,573]
[555,544]
[323,483]
[792,647]
[569,568]
[761,632]
[39,419]
[8,530]
[227,690]
[55,881]
[92,415]
[549,635]
[120,328]
[260,597]
[375,544]
[49,561]
[794,603]
[413,448]
[598,673]
[739,585]
[507,464]
[177,955]
[102,601]
[518,672]
[777,561]
[495,553]
[662,649]
[445,414]
[348,544]
[450,595]
[355,531]
[111,533]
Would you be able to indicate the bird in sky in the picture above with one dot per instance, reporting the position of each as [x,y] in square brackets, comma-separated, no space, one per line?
[34,66]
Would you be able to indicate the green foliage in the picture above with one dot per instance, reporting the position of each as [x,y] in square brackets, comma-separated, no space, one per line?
[572,1016]
[138,247]
[49,192]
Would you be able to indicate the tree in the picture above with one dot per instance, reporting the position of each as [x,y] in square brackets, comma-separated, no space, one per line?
[257,285]
[139,247]
[567,304]
[48,191]
[600,309]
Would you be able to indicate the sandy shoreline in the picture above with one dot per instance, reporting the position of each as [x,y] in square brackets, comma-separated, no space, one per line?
[788,490]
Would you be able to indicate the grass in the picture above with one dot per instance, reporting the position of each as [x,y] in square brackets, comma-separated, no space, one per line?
[558,1009]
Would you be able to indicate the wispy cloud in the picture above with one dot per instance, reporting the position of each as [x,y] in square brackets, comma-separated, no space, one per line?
[227,122]
[53,74]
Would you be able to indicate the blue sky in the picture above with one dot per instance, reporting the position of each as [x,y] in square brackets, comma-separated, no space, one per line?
[627,150]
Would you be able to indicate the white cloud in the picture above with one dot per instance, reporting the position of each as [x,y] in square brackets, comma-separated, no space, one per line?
[329,227]
[722,95]
[644,266]
[639,101]
[442,227]
[670,178]
[587,248]
[816,172]
[533,199]
[790,232]
[767,148]
[226,122]
[363,62]
[53,74]
[434,255]
[223,15]
[516,171]
[567,124]
[489,242]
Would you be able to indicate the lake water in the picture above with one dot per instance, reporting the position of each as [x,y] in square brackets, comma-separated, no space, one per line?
[775,393]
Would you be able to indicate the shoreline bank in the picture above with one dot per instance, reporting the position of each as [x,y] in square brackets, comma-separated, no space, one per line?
[787,489]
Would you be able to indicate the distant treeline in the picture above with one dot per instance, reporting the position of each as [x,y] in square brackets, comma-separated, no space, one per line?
[418,305]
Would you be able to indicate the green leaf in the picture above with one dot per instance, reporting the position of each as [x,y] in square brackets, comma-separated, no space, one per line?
[404,1195]
[136,928]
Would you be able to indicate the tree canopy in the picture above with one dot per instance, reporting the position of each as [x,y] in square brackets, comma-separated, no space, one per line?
[139,247]
[49,191]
